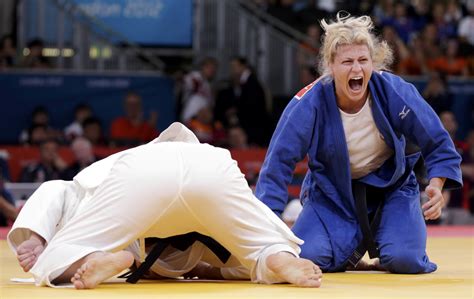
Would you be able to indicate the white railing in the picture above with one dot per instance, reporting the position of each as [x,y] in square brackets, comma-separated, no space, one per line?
[228,28]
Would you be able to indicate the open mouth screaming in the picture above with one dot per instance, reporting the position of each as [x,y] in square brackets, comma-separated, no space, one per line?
[356,83]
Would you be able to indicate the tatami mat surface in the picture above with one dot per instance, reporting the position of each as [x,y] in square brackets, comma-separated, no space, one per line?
[453,279]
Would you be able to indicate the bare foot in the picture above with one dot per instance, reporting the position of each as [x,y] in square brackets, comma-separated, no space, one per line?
[298,271]
[100,266]
[29,251]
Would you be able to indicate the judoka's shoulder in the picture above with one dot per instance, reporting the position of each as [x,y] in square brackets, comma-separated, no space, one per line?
[311,91]
[392,78]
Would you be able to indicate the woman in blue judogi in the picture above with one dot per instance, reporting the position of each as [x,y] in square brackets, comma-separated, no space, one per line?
[356,124]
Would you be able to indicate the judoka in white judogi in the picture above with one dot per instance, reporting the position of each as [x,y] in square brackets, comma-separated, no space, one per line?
[170,186]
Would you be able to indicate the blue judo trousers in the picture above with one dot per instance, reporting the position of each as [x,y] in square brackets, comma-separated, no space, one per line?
[311,126]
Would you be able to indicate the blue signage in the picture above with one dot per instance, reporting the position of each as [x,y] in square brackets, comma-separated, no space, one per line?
[155,22]
[61,92]
[147,22]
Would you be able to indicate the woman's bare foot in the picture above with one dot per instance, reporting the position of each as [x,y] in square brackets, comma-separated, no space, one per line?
[29,251]
[298,271]
[100,266]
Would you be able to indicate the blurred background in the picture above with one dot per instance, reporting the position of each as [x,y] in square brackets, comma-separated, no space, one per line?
[82,79]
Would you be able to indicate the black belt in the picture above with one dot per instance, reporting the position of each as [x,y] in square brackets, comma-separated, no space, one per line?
[180,242]
[368,243]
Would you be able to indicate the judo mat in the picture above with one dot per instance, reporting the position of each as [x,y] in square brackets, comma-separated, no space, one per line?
[452,248]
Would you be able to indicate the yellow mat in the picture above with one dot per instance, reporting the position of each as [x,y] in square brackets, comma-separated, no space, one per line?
[453,279]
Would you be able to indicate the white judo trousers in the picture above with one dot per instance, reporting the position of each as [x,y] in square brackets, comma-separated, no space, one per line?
[160,189]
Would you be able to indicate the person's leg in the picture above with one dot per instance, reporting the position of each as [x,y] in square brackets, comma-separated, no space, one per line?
[317,246]
[402,232]
[219,199]
[42,212]
[39,220]
[138,190]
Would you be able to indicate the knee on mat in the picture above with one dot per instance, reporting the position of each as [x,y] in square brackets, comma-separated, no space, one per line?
[317,256]
[403,261]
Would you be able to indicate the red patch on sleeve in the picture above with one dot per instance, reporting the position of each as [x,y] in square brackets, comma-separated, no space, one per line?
[307,88]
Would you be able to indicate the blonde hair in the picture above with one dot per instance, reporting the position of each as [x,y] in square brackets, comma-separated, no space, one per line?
[347,30]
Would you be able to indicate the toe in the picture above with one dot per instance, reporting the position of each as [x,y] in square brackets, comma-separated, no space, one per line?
[78,284]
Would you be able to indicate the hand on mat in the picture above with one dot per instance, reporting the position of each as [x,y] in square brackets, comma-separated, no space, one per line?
[432,208]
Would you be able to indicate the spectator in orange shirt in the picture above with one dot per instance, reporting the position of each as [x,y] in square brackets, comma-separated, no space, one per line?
[450,63]
[201,122]
[132,129]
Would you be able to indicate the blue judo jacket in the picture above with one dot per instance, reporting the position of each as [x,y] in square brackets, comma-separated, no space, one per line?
[311,125]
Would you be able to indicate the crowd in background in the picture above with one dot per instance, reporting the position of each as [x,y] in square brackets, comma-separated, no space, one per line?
[432,38]
[425,36]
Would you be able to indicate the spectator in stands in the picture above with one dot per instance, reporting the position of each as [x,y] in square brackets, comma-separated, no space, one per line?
[82,150]
[446,28]
[415,63]
[92,131]
[225,109]
[37,133]
[430,42]
[7,52]
[383,10]
[201,122]
[400,51]
[437,94]
[237,138]
[39,117]
[420,11]
[49,166]
[132,129]
[310,47]
[34,57]
[450,123]
[453,12]
[250,102]
[401,22]
[73,130]
[199,82]
[466,25]
[8,211]
[450,62]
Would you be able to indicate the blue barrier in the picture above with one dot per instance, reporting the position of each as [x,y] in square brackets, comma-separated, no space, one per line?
[61,92]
